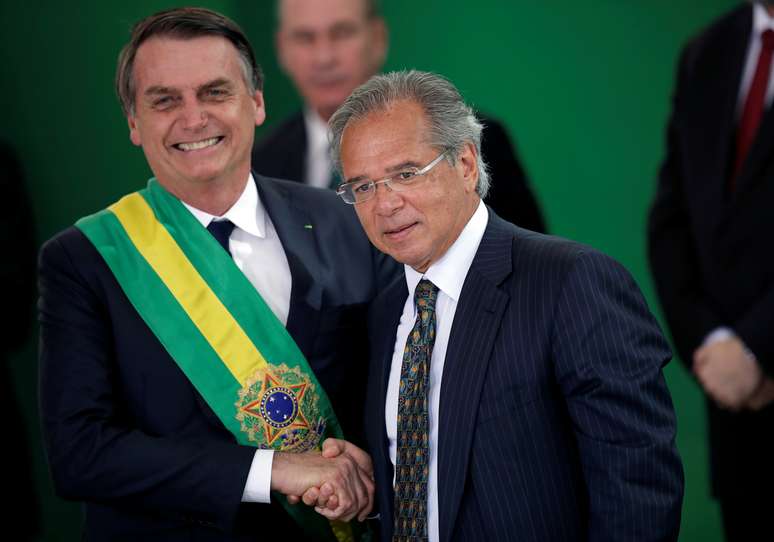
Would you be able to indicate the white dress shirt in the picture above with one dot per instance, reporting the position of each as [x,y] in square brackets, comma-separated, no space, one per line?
[319,166]
[257,251]
[448,274]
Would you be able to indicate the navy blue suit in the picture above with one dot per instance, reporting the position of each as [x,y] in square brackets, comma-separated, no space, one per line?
[126,432]
[555,422]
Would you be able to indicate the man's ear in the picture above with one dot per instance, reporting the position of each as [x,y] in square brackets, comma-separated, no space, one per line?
[468,161]
[260,108]
[134,132]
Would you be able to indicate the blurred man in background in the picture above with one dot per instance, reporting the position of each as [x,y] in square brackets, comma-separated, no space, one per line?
[329,47]
[709,236]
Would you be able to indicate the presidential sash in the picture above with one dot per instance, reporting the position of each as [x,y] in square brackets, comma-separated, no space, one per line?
[218,329]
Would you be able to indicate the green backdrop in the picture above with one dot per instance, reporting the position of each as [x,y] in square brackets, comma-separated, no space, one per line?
[583,87]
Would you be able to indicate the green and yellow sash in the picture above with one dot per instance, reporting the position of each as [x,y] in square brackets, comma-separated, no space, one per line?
[218,329]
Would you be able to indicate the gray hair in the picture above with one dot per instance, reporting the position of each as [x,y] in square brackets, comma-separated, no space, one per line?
[452,123]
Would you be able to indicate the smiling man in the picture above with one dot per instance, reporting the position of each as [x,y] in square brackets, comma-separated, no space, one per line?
[515,387]
[200,338]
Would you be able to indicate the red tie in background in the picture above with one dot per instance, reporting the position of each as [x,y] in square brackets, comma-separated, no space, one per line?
[754,104]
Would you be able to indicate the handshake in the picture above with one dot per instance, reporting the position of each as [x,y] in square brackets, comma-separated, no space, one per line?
[339,482]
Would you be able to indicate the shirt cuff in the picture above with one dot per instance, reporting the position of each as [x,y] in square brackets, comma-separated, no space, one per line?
[258,485]
[718,334]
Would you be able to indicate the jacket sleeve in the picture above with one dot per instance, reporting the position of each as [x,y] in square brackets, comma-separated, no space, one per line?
[609,356]
[95,447]
[754,329]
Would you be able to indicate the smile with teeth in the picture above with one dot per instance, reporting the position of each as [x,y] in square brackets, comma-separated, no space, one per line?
[198,145]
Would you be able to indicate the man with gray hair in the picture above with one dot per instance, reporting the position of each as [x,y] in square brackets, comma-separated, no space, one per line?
[330,47]
[515,386]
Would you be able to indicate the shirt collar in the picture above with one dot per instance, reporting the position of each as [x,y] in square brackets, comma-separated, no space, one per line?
[247,214]
[761,20]
[316,131]
[449,272]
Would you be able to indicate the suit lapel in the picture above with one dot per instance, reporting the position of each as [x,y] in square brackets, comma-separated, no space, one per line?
[387,317]
[706,109]
[299,245]
[717,108]
[759,155]
[472,338]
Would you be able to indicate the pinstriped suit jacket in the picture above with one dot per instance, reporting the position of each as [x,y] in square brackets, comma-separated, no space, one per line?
[555,420]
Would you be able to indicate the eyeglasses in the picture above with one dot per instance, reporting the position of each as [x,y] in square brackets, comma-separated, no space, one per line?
[360,191]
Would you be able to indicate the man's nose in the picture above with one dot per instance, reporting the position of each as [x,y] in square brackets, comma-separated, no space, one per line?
[193,115]
[386,200]
[324,52]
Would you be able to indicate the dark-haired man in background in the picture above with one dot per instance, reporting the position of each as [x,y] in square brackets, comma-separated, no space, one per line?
[329,47]
[210,314]
[709,232]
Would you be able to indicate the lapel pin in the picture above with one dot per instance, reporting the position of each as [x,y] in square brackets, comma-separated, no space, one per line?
[307,226]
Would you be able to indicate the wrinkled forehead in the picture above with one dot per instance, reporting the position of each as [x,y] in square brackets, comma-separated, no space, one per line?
[381,140]
[185,62]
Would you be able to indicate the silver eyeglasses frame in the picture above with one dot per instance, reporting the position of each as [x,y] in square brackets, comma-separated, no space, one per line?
[367,189]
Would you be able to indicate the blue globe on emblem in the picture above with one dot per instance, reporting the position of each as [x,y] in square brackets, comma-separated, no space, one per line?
[279,407]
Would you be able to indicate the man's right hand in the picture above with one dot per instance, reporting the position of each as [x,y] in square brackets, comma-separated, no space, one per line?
[339,482]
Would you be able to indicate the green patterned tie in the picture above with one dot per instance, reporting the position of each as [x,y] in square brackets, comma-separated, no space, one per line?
[412,460]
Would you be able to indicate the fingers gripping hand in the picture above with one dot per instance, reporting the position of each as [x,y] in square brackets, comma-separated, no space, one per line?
[332,448]
[340,487]
[353,489]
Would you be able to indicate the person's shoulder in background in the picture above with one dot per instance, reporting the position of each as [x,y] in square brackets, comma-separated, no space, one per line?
[280,152]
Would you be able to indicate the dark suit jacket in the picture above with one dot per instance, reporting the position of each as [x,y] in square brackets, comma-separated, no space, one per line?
[124,429]
[282,154]
[555,421]
[707,246]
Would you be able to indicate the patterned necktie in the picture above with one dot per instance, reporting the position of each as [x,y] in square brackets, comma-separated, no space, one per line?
[221,231]
[412,460]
